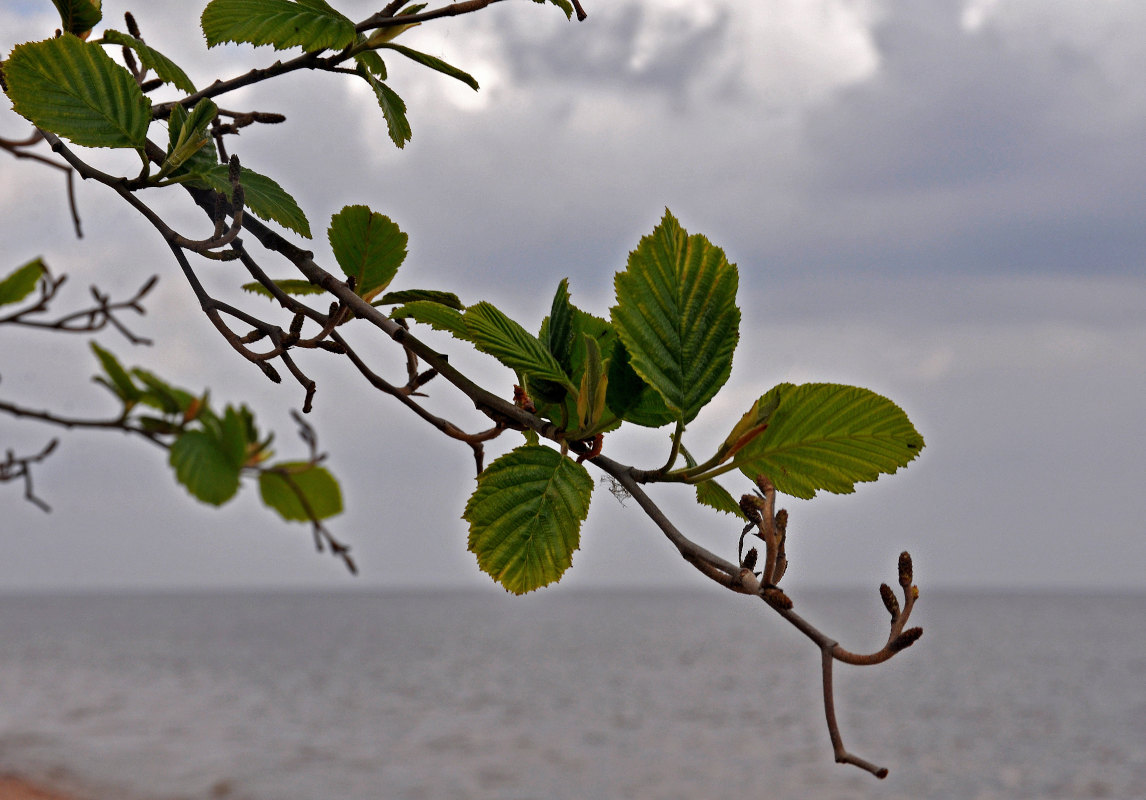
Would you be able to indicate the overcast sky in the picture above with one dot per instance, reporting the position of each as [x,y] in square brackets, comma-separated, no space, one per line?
[941,201]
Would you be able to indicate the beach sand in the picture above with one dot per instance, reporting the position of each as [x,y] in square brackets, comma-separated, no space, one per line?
[16,789]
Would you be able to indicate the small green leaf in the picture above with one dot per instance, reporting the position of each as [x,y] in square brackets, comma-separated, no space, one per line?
[594,383]
[162,395]
[558,331]
[752,424]
[830,437]
[712,494]
[120,382]
[264,196]
[22,282]
[74,89]
[525,517]
[373,63]
[165,69]
[434,64]
[281,486]
[497,335]
[188,136]
[393,109]
[309,24]
[439,317]
[293,286]
[432,295]
[78,16]
[368,246]
[205,467]
[676,314]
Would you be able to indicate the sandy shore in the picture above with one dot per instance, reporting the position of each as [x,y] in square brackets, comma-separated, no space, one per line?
[16,789]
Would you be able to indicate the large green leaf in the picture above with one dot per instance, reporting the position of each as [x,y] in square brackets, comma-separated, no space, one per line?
[368,246]
[78,16]
[204,465]
[827,436]
[309,24]
[73,88]
[22,282]
[676,313]
[281,484]
[165,69]
[525,517]
[497,335]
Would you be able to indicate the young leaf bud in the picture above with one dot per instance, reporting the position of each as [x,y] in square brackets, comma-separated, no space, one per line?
[777,598]
[889,601]
[905,569]
[905,639]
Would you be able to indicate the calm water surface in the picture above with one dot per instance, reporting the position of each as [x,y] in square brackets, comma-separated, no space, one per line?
[662,696]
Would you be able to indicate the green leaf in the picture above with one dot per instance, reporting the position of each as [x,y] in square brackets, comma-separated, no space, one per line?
[754,422]
[372,62]
[165,69]
[393,109]
[188,136]
[293,286]
[368,246]
[78,16]
[557,331]
[594,383]
[282,484]
[22,282]
[119,381]
[676,313]
[309,24]
[74,89]
[439,317]
[827,436]
[434,64]
[525,517]
[162,395]
[630,397]
[263,196]
[712,494]
[205,467]
[409,295]
[497,335]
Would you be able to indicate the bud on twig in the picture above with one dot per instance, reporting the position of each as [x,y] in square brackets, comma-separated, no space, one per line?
[778,599]
[750,559]
[889,601]
[905,639]
[905,575]
[782,521]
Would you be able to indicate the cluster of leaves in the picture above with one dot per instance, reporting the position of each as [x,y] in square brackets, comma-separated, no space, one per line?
[664,353]
[210,449]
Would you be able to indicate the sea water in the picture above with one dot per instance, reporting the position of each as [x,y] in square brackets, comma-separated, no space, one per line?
[654,695]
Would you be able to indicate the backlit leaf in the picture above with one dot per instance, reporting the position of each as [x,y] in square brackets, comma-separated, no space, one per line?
[292,286]
[494,333]
[165,69]
[21,282]
[676,314]
[73,88]
[393,108]
[118,379]
[204,466]
[78,16]
[525,517]
[830,437]
[281,485]
[368,246]
[435,64]
[309,24]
